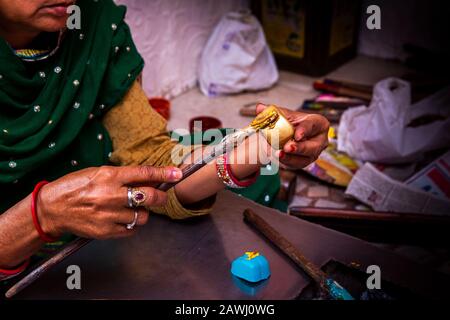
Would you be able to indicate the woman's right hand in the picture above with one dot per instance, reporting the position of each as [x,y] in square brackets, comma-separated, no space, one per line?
[93,203]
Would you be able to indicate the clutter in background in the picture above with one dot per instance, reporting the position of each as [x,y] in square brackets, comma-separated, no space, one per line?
[236,57]
[203,123]
[162,106]
[344,89]
[435,178]
[383,193]
[313,193]
[310,37]
[383,133]
[333,166]
[330,106]
[374,151]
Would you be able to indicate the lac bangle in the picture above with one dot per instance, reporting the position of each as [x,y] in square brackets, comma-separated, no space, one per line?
[44,237]
[16,271]
[241,183]
[224,172]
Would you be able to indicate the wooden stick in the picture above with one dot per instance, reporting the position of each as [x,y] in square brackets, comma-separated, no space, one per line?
[327,286]
[288,248]
[346,214]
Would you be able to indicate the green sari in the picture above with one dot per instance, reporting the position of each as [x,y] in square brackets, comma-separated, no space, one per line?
[50,110]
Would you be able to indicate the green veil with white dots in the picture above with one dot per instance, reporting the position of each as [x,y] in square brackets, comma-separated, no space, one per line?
[50,110]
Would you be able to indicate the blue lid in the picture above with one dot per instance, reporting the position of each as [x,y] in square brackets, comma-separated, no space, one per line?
[252,267]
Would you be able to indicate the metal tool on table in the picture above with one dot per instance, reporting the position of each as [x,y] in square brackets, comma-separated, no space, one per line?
[271,123]
[327,285]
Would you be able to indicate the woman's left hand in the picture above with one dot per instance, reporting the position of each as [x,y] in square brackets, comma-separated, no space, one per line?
[310,138]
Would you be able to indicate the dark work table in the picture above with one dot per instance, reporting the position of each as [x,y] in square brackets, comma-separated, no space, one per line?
[191,259]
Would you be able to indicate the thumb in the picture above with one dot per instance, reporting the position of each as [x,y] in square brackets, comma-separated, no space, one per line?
[260,108]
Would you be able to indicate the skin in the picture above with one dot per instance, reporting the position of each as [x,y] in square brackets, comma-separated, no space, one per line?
[95,198]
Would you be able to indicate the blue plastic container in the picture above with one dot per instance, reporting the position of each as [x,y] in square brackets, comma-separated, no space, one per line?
[252,267]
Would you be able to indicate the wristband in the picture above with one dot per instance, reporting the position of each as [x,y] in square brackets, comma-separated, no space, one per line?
[224,172]
[44,237]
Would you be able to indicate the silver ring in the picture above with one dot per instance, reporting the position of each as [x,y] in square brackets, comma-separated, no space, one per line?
[130,197]
[131,226]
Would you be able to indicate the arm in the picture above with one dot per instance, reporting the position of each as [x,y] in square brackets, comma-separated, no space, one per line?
[94,199]
[18,238]
[140,137]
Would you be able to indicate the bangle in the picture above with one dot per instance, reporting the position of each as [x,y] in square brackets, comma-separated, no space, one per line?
[44,237]
[16,271]
[223,169]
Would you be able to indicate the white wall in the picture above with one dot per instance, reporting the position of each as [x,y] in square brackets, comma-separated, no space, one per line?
[170,35]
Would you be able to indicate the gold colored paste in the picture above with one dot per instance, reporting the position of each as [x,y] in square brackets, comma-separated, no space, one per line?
[274,126]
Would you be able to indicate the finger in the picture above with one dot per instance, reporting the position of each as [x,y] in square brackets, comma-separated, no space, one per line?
[153,197]
[148,174]
[260,108]
[122,232]
[119,231]
[307,126]
[295,161]
[143,216]
[126,216]
[309,148]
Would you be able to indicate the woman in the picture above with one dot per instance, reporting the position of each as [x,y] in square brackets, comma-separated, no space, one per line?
[69,105]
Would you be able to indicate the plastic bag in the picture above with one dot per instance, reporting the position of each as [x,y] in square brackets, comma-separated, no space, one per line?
[236,57]
[380,132]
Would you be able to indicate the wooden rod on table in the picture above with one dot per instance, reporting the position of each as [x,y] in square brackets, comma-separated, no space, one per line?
[287,247]
[346,214]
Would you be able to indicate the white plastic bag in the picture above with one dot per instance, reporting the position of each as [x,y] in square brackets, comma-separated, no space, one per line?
[380,132]
[236,57]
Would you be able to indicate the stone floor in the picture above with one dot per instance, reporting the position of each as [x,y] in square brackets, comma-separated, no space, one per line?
[290,92]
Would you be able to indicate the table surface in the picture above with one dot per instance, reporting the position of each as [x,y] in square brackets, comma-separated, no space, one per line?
[191,259]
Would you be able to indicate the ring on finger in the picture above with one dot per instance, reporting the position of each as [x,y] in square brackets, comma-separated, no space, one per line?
[131,225]
[138,197]
[130,197]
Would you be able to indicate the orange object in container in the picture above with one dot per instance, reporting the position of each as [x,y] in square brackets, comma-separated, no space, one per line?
[161,105]
[206,123]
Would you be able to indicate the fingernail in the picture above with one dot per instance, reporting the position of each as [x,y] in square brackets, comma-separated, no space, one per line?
[293,148]
[299,136]
[176,174]
[281,154]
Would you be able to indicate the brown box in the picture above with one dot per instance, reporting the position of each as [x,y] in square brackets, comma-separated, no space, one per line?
[310,37]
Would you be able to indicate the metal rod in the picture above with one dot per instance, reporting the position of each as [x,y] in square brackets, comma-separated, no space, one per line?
[78,243]
[68,250]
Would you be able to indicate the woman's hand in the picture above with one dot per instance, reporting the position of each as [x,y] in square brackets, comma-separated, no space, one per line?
[93,203]
[310,138]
